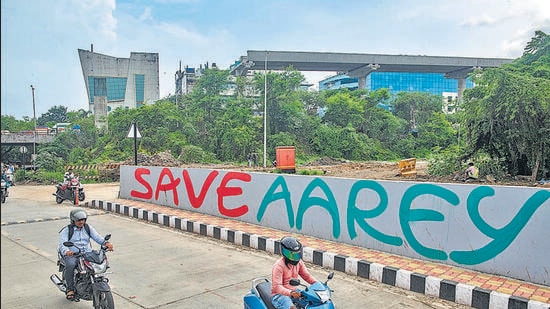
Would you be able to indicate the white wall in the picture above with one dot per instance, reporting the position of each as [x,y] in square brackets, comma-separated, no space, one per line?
[493,229]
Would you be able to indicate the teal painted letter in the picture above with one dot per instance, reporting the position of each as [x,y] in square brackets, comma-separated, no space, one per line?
[407,215]
[354,214]
[502,237]
[271,196]
[329,204]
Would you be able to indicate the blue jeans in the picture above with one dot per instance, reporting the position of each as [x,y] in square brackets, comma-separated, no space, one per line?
[68,272]
[281,301]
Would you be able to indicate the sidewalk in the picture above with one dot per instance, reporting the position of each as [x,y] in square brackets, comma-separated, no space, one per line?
[463,286]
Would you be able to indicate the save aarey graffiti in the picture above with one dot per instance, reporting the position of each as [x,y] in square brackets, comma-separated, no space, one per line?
[347,207]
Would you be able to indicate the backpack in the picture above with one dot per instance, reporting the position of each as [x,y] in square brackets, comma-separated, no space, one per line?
[71,229]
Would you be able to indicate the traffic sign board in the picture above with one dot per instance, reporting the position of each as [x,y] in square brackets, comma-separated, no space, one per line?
[131,131]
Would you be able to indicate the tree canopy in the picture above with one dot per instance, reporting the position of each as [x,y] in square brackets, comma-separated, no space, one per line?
[505,117]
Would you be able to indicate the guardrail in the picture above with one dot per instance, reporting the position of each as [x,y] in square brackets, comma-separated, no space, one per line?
[103,172]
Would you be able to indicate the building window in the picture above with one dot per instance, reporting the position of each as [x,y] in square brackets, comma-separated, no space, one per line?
[140,88]
[113,88]
[116,88]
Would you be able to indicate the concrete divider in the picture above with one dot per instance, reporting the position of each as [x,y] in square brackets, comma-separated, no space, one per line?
[493,229]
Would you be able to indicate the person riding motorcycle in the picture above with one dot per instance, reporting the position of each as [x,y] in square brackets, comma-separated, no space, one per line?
[82,233]
[68,176]
[289,266]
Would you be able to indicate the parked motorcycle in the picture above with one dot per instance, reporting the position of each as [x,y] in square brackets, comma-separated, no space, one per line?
[317,295]
[89,280]
[5,186]
[69,191]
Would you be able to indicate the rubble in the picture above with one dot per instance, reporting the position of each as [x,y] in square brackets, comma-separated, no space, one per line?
[164,158]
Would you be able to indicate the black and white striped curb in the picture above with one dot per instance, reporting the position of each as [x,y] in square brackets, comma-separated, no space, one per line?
[464,294]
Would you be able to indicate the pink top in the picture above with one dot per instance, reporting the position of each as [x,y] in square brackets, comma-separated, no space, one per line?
[281,275]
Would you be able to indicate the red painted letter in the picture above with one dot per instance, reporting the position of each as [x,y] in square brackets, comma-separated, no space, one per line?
[137,175]
[171,186]
[196,201]
[224,191]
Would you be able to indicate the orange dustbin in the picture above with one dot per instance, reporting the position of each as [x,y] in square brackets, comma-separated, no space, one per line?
[285,158]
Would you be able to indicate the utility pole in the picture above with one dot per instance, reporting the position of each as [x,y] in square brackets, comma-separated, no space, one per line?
[34,131]
[265,111]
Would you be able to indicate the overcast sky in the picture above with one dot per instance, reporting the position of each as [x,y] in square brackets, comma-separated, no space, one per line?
[40,38]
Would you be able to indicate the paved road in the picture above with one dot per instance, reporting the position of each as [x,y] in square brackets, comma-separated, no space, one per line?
[153,266]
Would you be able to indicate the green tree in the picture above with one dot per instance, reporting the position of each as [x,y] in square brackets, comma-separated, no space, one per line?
[54,115]
[540,43]
[507,115]
[344,110]
[10,123]
[284,109]
[416,107]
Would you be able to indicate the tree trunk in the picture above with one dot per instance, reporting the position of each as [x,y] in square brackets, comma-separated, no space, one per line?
[537,164]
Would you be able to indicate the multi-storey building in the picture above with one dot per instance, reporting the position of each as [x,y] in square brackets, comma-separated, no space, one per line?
[434,83]
[113,82]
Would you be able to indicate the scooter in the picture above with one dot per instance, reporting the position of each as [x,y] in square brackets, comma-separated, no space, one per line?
[317,295]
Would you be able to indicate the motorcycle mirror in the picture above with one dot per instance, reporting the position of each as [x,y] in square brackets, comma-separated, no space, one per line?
[295,282]
[107,237]
[68,244]
[330,275]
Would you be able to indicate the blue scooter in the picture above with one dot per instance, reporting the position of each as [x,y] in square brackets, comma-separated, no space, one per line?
[317,295]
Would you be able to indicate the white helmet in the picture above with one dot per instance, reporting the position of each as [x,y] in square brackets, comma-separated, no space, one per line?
[77,214]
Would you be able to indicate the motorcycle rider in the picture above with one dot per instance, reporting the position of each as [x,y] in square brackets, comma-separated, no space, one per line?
[81,236]
[289,266]
[5,179]
[68,176]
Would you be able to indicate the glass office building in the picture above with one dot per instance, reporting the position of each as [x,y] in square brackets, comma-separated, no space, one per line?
[434,83]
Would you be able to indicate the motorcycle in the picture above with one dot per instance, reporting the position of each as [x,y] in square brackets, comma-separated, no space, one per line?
[9,177]
[70,191]
[5,186]
[317,295]
[89,280]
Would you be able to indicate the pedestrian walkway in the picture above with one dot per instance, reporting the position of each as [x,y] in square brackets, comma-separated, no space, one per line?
[476,289]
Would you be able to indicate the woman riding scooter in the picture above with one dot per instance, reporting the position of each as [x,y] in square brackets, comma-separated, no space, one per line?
[289,266]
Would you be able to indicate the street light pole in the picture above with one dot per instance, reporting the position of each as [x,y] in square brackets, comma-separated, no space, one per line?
[34,131]
[265,110]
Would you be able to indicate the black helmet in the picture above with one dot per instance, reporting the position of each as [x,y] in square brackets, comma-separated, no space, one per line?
[78,214]
[291,249]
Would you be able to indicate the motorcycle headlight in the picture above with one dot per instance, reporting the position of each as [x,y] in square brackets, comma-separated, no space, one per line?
[324,295]
[100,268]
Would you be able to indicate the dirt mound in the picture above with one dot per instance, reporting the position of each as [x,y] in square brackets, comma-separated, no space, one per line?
[164,158]
[325,161]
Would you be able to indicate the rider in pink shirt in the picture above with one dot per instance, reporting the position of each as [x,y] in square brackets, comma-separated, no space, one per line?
[289,266]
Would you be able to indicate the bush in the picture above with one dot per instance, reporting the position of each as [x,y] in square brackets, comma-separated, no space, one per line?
[42,176]
[48,161]
[490,166]
[444,164]
[195,154]
[310,172]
